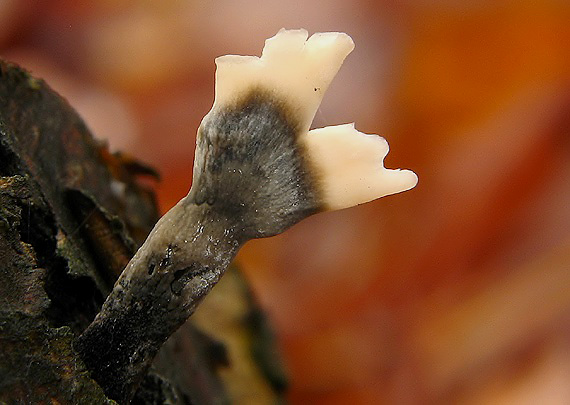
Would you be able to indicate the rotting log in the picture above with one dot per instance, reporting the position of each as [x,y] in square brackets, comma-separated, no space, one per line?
[71,217]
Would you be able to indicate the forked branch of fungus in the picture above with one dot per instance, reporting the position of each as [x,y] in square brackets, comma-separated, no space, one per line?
[258,170]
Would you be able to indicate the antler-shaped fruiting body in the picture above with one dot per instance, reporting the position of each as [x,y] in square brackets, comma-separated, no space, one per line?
[258,170]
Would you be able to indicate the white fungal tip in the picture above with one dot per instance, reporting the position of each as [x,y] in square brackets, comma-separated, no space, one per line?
[293,68]
[294,71]
[350,168]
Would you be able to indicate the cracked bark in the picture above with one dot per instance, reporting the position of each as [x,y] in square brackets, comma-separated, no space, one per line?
[65,235]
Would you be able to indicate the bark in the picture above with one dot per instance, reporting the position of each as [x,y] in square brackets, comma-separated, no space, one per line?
[71,217]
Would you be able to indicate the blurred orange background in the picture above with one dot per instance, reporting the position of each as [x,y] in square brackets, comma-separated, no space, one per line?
[455,292]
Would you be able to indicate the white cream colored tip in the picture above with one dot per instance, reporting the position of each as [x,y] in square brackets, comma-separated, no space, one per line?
[296,70]
[293,67]
[350,166]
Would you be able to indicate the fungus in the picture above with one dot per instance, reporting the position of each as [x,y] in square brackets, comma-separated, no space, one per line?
[258,170]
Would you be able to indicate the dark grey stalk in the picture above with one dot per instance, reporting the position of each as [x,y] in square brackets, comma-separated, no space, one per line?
[251,179]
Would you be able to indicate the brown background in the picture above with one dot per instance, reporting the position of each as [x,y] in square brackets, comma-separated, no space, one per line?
[457,291]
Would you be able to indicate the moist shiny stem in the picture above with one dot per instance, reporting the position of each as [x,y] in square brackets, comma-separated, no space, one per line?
[182,259]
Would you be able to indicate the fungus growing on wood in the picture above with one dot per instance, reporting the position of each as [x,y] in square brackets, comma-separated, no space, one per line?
[258,170]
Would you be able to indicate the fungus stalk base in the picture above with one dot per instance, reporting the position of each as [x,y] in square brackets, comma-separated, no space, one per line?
[181,260]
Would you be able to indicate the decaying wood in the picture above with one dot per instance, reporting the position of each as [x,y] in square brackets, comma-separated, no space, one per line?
[71,217]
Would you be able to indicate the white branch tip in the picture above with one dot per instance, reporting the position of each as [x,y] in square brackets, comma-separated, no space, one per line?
[297,70]
[292,68]
[350,166]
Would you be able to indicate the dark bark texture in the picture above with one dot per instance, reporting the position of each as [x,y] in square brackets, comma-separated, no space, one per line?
[71,217]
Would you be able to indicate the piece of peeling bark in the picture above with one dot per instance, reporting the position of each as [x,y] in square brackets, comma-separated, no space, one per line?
[50,283]
[258,170]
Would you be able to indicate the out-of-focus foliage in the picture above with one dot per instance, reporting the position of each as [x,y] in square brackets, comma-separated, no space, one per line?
[457,291]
